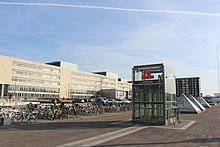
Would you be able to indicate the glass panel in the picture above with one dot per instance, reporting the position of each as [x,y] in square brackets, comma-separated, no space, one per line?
[142,113]
[138,75]
[151,94]
[136,94]
[136,111]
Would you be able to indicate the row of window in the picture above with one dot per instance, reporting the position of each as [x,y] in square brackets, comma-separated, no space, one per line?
[80,97]
[186,82]
[35,74]
[17,88]
[32,81]
[35,96]
[82,92]
[44,82]
[35,67]
[94,86]
[89,80]
[86,87]
[86,81]
[77,76]
[92,76]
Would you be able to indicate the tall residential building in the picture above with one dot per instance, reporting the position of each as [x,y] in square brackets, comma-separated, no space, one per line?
[188,86]
[30,80]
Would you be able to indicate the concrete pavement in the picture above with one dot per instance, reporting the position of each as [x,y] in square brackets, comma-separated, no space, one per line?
[204,132]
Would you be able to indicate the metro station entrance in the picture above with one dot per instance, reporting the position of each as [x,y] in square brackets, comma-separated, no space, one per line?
[151,99]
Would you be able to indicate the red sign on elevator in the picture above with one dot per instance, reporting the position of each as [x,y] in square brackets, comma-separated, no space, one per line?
[147,75]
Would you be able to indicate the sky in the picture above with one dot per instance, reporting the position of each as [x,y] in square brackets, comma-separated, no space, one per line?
[115,35]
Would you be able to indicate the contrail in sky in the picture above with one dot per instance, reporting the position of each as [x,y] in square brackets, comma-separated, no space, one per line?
[208,36]
[201,36]
[111,8]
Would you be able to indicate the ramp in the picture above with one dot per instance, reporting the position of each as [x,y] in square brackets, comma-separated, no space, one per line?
[203,102]
[196,103]
[185,105]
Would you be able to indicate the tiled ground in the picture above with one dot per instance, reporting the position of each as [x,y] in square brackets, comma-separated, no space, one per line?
[205,132]
[52,133]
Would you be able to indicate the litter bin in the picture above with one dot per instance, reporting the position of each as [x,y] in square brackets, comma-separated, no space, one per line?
[5,121]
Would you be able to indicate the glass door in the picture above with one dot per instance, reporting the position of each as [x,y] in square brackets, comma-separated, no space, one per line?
[149,102]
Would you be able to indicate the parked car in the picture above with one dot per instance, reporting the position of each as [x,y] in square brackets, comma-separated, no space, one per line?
[100,101]
[91,100]
[210,102]
[119,101]
[105,99]
[126,101]
[111,101]
[78,100]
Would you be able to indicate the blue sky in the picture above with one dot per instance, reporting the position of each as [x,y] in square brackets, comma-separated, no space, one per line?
[112,40]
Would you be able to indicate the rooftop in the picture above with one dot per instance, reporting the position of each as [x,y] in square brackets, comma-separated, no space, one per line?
[189,78]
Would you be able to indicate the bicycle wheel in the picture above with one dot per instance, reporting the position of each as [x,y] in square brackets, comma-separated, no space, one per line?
[17,119]
[51,115]
[32,119]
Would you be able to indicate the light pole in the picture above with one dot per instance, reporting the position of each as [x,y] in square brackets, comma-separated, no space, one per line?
[218,68]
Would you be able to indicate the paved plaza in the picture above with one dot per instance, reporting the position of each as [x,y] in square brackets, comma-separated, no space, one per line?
[58,132]
[205,131]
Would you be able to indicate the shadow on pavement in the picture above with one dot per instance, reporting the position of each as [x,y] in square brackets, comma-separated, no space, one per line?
[201,140]
[65,125]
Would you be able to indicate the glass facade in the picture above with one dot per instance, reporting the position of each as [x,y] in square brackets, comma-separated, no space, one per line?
[26,92]
[148,102]
[153,102]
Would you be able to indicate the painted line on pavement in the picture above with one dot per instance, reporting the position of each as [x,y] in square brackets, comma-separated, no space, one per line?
[105,137]
[186,126]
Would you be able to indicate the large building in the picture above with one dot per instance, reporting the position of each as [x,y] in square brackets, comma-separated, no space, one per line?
[31,80]
[154,94]
[188,86]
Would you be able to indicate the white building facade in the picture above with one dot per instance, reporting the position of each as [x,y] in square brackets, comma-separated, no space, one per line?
[32,80]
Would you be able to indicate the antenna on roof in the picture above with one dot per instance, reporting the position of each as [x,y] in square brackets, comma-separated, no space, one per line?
[218,68]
